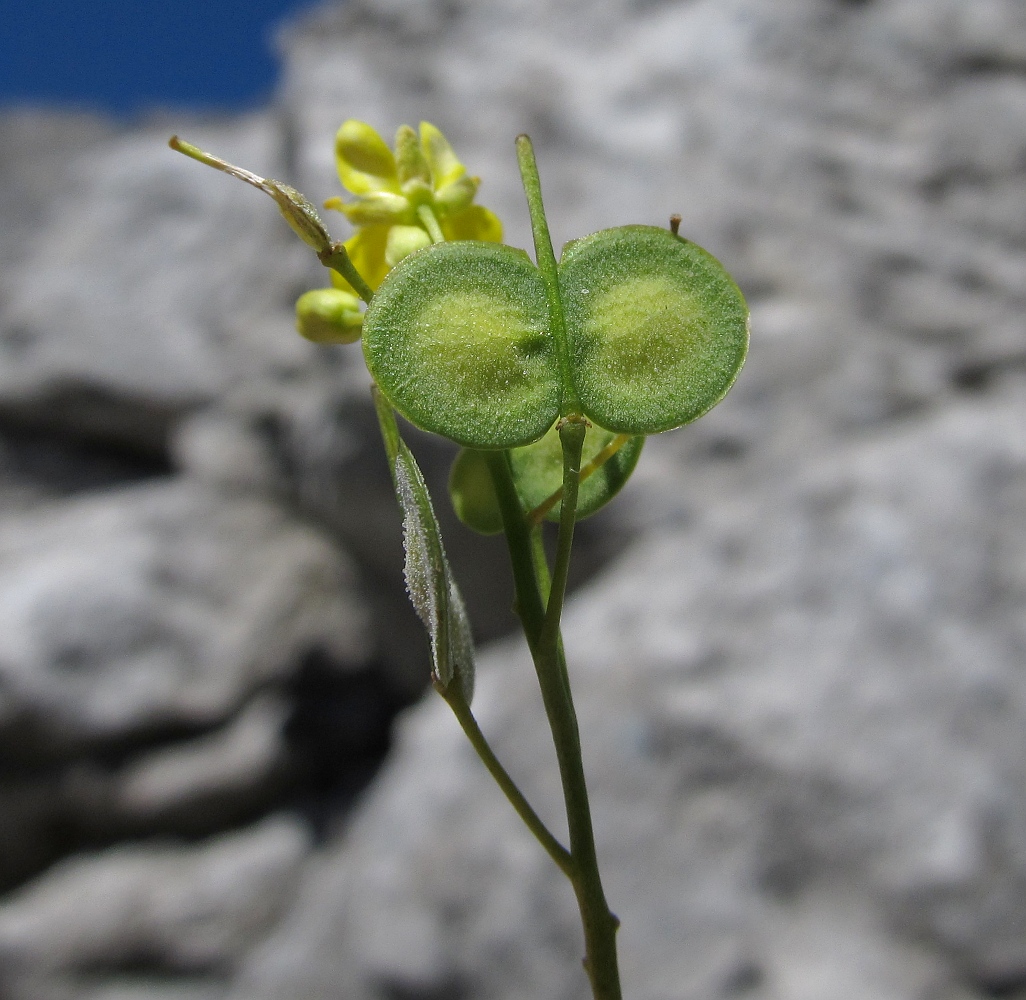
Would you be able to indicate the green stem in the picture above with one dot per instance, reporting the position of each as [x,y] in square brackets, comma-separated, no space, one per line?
[541,627]
[571,437]
[537,515]
[541,561]
[559,854]
[337,258]
[431,224]
[529,604]
[546,261]
[599,923]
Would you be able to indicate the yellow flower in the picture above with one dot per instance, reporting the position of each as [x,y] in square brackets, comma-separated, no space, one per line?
[404,199]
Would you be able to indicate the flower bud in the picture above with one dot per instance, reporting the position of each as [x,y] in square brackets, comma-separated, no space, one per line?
[457,195]
[417,192]
[410,162]
[379,206]
[329,316]
[404,240]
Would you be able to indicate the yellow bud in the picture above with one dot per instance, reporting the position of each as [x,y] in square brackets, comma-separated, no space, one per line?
[410,162]
[404,240]
[329,316]
[457,195]
[379,206]
[417,191]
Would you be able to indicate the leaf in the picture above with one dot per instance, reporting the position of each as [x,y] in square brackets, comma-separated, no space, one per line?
[457,338]
[429,581]
[657,330]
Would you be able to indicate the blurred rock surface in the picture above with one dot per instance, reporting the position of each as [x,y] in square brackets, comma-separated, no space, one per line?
[799,688]
[191,910]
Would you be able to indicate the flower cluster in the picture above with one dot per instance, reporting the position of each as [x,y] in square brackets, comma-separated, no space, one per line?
[404,200]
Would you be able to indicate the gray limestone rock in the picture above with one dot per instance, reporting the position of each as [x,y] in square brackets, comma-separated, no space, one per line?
[829,152]
[151,286]
[162,605]
[198,785]
[36,147]
[802,718]
[800,689]
[170,909]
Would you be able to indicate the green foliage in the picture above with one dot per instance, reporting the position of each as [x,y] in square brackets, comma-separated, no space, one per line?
[429,581]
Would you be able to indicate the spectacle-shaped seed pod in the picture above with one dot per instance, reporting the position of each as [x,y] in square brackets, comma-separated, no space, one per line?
[473,494]
[657,330]
[457,339]
[607,462]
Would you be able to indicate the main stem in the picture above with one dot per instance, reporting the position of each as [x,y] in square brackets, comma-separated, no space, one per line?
[546,261]
[540,620]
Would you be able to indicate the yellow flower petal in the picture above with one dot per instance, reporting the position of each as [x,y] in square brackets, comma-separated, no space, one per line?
[364,161]
[445,167]
[367,252]
[473,223]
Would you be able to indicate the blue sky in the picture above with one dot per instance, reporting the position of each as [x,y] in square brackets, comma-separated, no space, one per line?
[125,56]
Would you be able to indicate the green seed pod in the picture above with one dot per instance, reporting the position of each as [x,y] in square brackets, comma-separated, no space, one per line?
[473,494]
[457,339]
[607,462]
[657,330]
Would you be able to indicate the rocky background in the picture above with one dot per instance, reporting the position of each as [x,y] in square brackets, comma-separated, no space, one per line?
[799,657]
